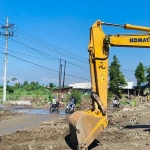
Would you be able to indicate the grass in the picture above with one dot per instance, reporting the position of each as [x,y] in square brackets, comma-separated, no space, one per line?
[124,102]
[134,103]
[22,94]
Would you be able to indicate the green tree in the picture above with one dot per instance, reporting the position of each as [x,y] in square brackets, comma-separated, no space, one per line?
[34,85]
[148,77]
[51,85]
[25,83]
[28,88]
[17,85]
[140,76]
[13,79]
[116,77]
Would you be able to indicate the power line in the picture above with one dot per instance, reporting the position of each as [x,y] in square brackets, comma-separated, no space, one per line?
[25,54]
[45,53]
[43,66]
[2,20]
[16,44]
[57,37]
[55,48]
[58,59]
[70,64]
[48,34]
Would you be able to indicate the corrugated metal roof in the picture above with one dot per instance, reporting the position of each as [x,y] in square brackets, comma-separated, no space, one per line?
[88,85]
[81,85]
[129,86]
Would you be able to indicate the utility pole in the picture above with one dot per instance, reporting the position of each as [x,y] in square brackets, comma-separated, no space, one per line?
[64,74]
[6,34]
[62,96]
[60,76]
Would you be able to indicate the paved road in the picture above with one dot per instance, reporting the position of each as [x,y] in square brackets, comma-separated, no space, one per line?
[25,121]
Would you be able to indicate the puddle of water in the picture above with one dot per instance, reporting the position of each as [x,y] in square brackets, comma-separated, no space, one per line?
[23,109]
[1,106]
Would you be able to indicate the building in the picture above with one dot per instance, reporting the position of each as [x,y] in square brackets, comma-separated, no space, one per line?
[129,89]
[83,87]
[86,88]
[65,90]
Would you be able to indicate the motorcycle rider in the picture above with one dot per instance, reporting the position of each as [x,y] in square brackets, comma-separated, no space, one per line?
[116,102]
[54,102]
[72,102]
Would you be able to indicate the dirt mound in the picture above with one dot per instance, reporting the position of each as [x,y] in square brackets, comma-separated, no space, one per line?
[49,135]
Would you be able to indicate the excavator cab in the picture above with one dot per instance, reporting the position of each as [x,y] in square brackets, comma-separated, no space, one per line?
[86,125]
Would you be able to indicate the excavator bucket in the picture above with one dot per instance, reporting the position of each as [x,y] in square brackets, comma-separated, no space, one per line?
[85,127]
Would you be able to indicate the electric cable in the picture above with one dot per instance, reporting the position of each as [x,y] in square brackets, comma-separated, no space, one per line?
[42,66]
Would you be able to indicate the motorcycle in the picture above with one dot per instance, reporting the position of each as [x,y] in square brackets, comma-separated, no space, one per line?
[116,103]
[55,107]
[70,108]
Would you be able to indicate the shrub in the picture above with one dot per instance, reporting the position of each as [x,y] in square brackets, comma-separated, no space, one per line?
[125,102]
[10,89]
[77,95]
[66,98]
[110,94]
[134,103]
[87,96]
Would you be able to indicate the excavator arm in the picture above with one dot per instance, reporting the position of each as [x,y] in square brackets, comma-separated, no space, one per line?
[86,125]
[142,41]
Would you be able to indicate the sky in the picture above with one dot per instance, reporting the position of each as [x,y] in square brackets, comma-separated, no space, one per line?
[49,30]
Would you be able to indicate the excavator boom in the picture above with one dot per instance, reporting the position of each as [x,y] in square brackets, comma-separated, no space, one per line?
[140,41]
[86,125]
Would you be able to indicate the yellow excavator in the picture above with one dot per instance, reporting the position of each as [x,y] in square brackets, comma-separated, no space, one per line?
[86,125]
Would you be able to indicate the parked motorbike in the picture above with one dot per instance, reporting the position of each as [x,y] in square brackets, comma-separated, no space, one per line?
[55,107]
[70,108]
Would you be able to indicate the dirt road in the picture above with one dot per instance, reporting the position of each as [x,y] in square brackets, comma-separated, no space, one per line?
[128,129]
[25,121]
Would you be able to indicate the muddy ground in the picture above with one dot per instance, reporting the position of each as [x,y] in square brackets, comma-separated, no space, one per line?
[128,129]
[6,114]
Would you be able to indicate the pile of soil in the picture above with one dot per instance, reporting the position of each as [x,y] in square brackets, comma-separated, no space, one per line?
[49,135]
